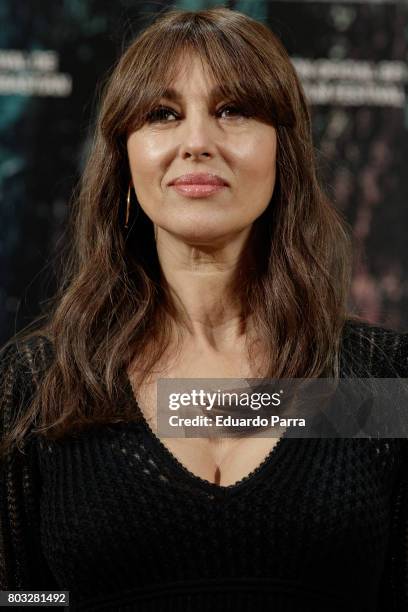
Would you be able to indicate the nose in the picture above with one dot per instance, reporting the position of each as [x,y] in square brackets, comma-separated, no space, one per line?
[195,153]
[197,137]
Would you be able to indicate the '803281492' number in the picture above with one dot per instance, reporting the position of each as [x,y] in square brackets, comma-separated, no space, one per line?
[45,598]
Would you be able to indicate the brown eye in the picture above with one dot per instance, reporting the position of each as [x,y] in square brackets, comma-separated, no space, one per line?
[236,110]
[159,114]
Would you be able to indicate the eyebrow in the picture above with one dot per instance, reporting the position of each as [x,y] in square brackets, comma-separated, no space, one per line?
[172,94]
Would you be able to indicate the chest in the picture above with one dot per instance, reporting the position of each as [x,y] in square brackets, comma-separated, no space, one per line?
[222,461]
[115,506]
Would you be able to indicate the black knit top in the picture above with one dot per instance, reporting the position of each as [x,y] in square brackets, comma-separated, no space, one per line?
[114,518]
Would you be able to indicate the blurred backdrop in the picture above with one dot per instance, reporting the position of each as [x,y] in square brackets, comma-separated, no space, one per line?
[350,56]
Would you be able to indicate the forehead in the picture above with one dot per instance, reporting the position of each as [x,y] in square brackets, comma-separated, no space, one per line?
[191,75]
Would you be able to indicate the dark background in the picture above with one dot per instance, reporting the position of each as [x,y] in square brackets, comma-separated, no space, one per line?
[361,145]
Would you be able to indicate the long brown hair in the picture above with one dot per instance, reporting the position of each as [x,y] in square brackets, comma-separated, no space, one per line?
[112,303]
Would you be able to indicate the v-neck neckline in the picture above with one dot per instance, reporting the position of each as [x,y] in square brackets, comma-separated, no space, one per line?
[211,487]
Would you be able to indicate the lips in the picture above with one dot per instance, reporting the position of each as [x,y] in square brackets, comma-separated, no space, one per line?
[199,179]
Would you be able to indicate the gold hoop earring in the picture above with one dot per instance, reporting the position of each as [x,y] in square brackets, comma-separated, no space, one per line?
[128,206]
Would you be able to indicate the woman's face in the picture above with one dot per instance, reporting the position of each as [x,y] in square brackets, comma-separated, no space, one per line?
[196,134]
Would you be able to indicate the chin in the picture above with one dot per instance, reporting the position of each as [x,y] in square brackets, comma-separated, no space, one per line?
[200,235]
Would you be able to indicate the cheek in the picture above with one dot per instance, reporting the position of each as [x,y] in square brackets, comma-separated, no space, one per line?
[146,179]
[260,175]
[142,168]
[144,160]
[264,172]
[258,159]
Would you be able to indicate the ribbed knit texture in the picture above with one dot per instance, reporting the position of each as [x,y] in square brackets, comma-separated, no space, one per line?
[112,516]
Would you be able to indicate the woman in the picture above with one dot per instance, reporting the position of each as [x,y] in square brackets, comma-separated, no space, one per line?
[242,271]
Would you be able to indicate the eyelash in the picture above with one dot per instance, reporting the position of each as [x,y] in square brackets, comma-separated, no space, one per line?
[153,113]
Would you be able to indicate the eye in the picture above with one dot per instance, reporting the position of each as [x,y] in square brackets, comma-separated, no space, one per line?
[159,113]
[236,110]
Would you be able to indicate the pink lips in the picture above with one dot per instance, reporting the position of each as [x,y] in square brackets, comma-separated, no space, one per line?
[198,185]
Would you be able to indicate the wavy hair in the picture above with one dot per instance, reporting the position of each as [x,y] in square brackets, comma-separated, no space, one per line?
[113,305]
